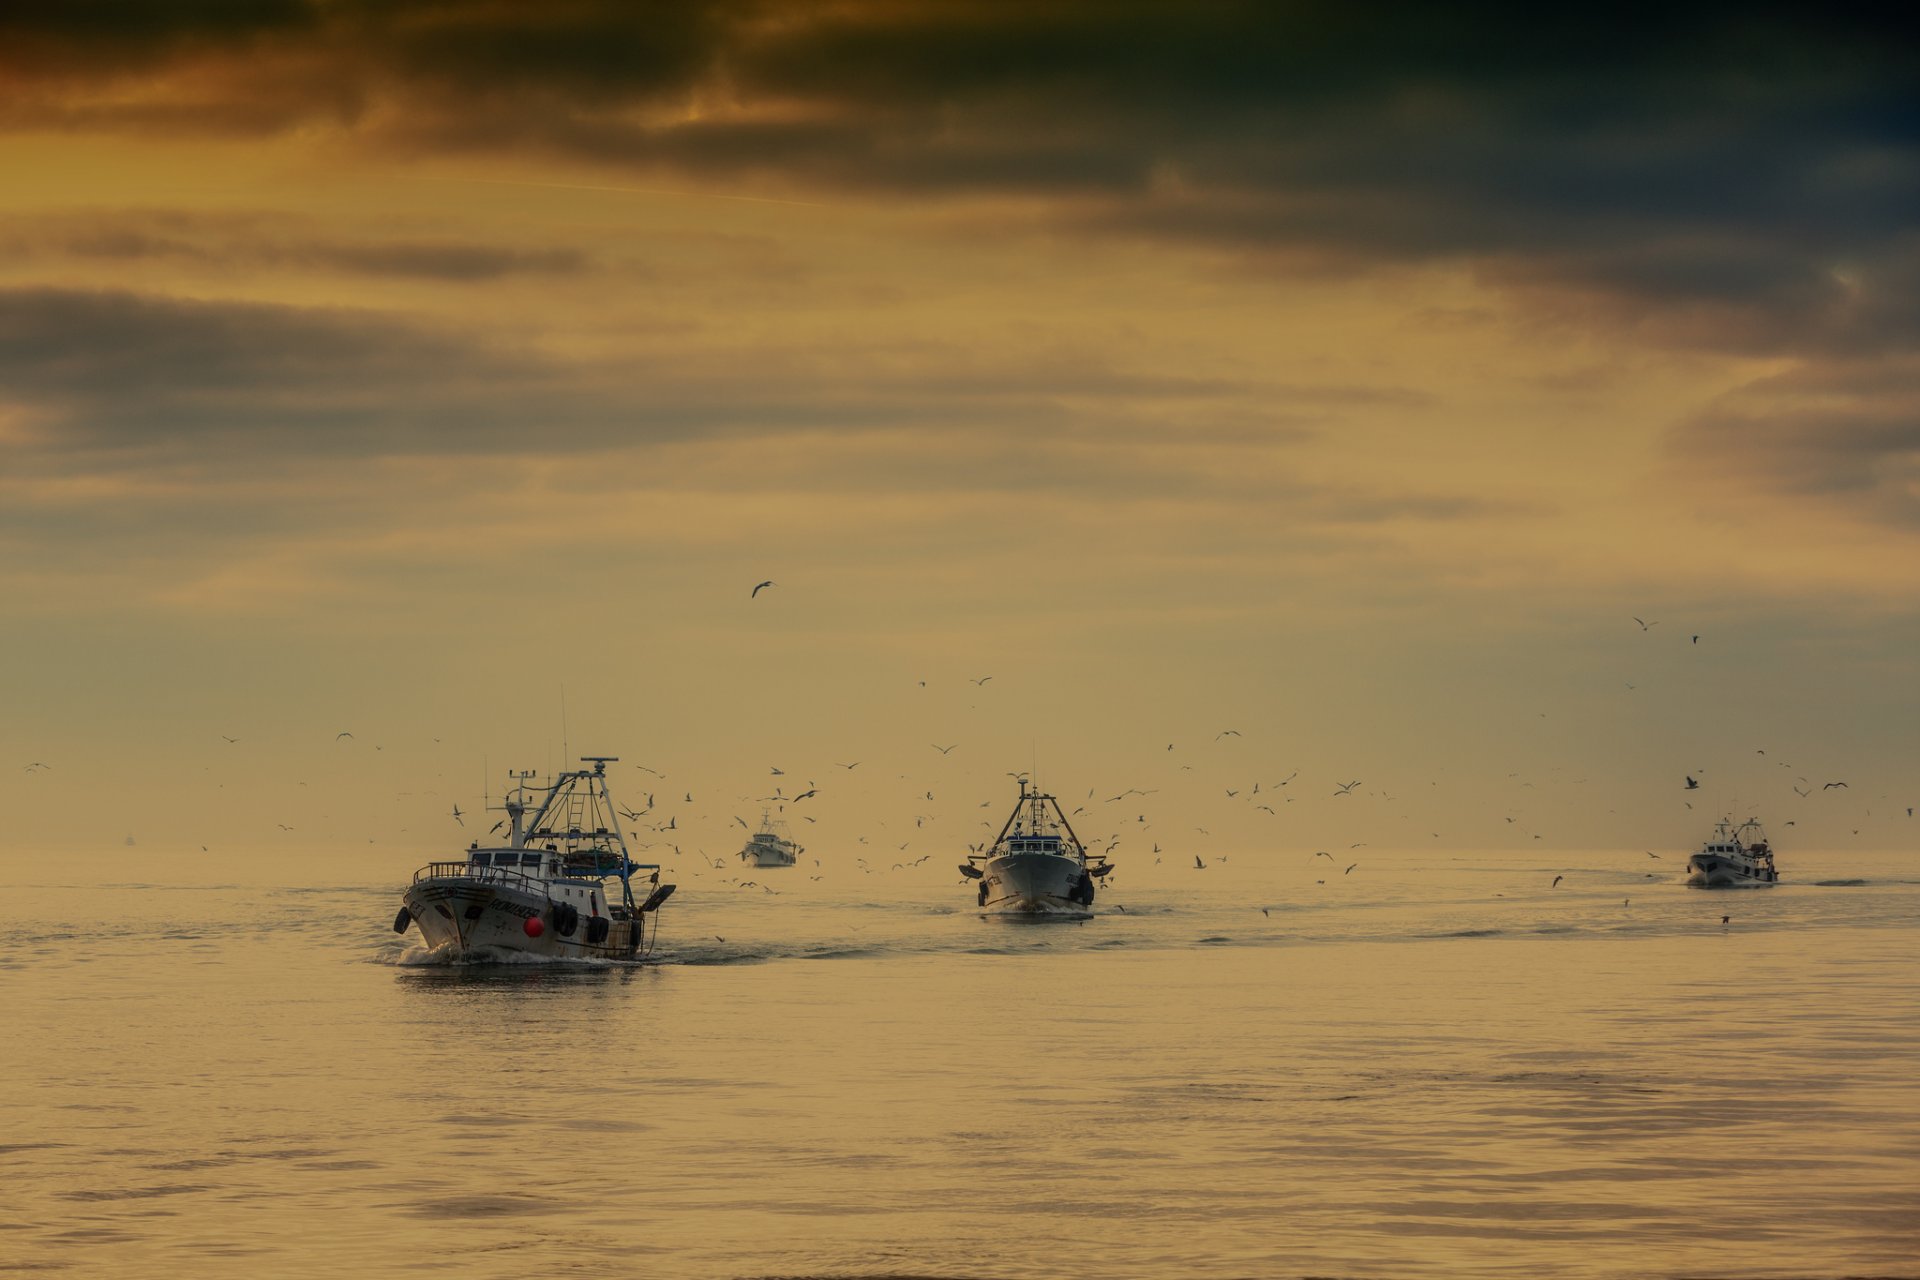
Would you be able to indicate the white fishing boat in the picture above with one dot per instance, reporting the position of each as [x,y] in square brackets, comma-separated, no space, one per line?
[1037,866]
[769,846]
[1734,857]
[562,887]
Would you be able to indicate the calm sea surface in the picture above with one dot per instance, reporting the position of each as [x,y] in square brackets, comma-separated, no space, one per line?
[1436,1065]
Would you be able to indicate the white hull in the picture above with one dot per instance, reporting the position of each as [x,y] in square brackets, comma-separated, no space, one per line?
[473,918]
[1036,884]
[761,857]
[1727,871]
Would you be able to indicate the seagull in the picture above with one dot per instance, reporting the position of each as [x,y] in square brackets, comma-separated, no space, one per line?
[943,750]
[496,826]
[1645,625]
[983,679]
[1696,639]
[1556,882]
[1349,870]
[1265,912]
[1831,785]
[1652,854]
[854,765]
[1346,787]
[1198,864]
[230,739]
[340,735]
[1726,919]
[762,587]
[1226,733]
[457,816]
[779,773]
[1322,853]
[36,765]
[1692,785]
[737,818]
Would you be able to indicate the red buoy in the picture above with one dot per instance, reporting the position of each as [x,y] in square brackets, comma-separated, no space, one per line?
[533,927]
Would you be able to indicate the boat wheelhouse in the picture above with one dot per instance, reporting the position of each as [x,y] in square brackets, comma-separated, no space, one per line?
[563,887]
[1036,866]
[1734,857]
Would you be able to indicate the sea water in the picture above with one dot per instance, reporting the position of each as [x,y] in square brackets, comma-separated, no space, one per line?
[1436,1064]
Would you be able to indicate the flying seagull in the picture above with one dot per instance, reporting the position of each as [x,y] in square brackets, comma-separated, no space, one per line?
[854,765]
[1645,625]
[457,816]
[1226,733]
[1345,787]
[1349,870]
[763,586]
[1831,785]
[1692,785]
[943,750]
[1556,882]
[983,679]
[1198,863]
[343,734]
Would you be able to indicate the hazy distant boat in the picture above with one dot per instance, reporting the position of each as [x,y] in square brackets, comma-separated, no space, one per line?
[769,846]
[1037,865]
[1733,858]
[562,887]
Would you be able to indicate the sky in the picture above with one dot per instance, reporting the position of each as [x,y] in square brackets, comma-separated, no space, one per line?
[1092,379]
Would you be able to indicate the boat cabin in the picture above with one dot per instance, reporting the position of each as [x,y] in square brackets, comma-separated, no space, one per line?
[1034,844]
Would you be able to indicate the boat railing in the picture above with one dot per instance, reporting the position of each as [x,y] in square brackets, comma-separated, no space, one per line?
[472,871]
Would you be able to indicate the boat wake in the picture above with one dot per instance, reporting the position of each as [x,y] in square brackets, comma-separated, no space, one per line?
[448,958]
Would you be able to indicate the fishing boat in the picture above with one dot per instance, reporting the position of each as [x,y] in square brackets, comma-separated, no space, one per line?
[769,846]
[1037,866]
[1733,857]
[563,886]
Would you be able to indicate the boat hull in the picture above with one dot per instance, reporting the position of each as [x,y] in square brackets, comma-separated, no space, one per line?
[1036,885]
[473,918]
[767,858]
[1725,871]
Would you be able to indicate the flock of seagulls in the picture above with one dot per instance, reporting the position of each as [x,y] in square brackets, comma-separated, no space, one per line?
[1263,797]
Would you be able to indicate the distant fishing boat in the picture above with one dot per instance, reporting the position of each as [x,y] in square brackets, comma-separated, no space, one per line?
[1733,858]
[563,886]
[769,846]
[1036,866]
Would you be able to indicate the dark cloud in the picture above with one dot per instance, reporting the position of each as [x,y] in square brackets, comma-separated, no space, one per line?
[1722,165]
[164,377]
[1846,432]
[251,241]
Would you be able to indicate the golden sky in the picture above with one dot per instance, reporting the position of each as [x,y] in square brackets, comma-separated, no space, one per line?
[1348,380]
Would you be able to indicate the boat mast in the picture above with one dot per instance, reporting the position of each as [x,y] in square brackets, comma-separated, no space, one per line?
[1012,817]
[515,803]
